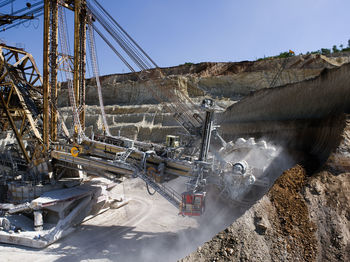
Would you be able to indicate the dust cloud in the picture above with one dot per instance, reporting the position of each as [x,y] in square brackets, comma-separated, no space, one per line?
[149,228]
[186,237]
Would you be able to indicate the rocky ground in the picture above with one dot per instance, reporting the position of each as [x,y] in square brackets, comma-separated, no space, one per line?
[302,218]
[305,216]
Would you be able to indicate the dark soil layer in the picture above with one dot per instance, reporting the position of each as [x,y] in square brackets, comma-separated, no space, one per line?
[293,220]
[302,218]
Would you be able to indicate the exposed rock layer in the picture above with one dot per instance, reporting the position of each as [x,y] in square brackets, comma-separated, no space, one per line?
[300,219]
[134,112]
[219,80]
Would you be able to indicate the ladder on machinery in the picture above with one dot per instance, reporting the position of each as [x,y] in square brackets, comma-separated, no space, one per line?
[167,192]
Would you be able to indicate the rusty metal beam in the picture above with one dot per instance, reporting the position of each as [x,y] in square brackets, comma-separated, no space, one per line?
[79,57]
[9,96]
[3,76]
[66,5]
[28,114]
[53,68]
[76,52]
[82,31]
[46,73]
[14,128]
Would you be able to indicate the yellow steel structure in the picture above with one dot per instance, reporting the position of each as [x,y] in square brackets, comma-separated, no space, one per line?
[51,63]
[107,152]
[53,67]
[80,20]
[13,126]
[46,81]
[21,99]
[27,105]
[50,71]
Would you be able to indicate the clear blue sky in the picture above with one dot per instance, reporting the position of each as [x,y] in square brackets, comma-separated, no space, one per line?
[174,32]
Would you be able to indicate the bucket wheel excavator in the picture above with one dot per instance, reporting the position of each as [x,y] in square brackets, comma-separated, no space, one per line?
[31,99]
[46,149]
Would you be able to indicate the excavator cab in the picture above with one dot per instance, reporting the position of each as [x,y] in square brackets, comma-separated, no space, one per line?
[172,141]
[192,204]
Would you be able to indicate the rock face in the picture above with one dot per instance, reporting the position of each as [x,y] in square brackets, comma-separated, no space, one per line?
[300,219]
[305,216]
[133,111]
[219,80]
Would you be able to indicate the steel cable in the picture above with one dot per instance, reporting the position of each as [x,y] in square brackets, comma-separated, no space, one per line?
[94,63]
[65,52]
[179,103]
[125,39]
[127,35]
[117,38]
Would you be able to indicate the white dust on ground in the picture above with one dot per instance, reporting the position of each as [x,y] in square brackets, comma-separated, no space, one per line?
[147,229]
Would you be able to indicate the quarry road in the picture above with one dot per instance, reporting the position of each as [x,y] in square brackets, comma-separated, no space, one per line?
[146,229]
[136,212]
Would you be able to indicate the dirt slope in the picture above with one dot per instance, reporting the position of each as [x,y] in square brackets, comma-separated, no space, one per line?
[301,219]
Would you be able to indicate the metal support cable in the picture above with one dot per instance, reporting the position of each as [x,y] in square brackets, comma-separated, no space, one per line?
[113,49]
[279,72]
[179,103]
[133,57]
[98,16]
[36,13]
[94,63]
[127,49]
[122,29]
[4,3]
[28,8]
[65,50]
[127,40]
[122,37]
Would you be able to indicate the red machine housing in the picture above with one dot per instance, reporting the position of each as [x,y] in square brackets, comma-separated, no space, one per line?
[192,204]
